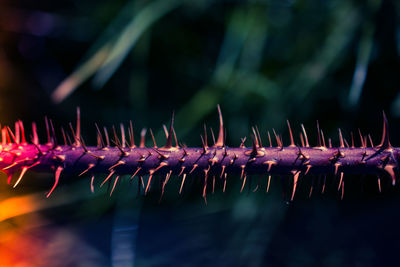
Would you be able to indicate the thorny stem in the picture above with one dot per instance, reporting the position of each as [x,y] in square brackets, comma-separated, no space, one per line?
[219,160]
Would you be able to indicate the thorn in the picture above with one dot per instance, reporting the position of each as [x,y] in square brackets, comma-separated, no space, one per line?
[203,145]
[116,139]
[337,165]
[90,166]
[78,125]
[91,184]
[182,169]
[53,133]
[270,163]
[107,178]
[169,137]
[224,188]
[291,134]
[255,140]
[341,139]
[390,171]
[56,179]
[269,138]
[162,156]
[117,164]
[379,184]
[194,167]
[165,131]
[212,135]
[182,183]
[47,130]
[223,170]
[385,143]
[308,169]
[205,185]
[143,138]
[259,137]
[213,184]
[117,145]
[115,183]
[176,139]
[64,136]
[83,145]
[330,142]
[278,140]
[24,169]
[341,180]
[242,173]
[302,140]
[11,165]
[323,138]
[305,135]
[319,135]
[220,141]
[311,188]
[106,135]
[99,135]
[323,185]
[370,140]
[254,152]
[363,145]
[164,184]
[341,197]
[243,184]
[346,143]
[136,172]
[21,127]
[35,138]
[9,177]
[268,182]
[131,135]
[352,140]
[162,164]
[295,179]
[205,136]
[12,135]
[17,133]
[122,128]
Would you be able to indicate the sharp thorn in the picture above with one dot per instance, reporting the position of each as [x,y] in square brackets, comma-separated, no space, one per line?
[292,144]
[220,141]
[295,180]
[56,179]
[143,138]
[182,183]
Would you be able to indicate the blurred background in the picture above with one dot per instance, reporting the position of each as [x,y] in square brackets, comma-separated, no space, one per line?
[263,61]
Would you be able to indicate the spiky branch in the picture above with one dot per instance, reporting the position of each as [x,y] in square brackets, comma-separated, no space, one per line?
[123,157]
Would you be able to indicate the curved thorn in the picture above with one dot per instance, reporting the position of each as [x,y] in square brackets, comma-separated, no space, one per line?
[56,179]
[24,169]
[385,142]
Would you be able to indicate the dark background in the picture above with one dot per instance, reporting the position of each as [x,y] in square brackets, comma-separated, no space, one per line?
[263,62]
